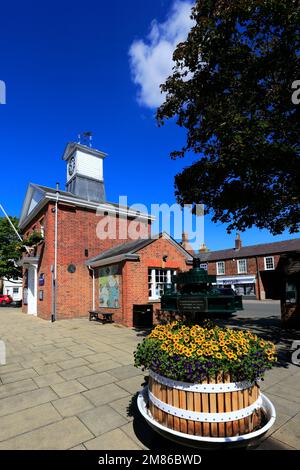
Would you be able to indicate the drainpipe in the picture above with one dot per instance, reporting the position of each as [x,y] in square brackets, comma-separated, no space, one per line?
[54,274]
[93,272]
[258,279]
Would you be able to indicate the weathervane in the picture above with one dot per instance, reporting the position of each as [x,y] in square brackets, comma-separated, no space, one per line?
[85,138]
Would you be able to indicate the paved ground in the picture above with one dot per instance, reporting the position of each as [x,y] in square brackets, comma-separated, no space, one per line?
[72,385]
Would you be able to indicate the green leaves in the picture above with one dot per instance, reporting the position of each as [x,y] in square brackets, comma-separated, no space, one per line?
[9,249]
[235,104]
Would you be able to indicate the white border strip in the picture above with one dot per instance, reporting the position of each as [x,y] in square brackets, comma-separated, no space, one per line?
[204,388]
[178,436]
[205,417]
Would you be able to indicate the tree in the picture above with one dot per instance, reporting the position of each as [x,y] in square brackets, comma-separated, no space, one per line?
[9,249]
[231,89]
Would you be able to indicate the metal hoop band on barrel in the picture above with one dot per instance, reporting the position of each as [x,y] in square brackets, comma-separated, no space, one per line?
[206,417]
[204,388]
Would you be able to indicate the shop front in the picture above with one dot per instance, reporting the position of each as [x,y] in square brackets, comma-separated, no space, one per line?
[242,285]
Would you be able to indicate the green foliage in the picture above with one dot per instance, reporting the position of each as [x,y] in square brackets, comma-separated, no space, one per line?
[9,249]
[34,239]
[231,90]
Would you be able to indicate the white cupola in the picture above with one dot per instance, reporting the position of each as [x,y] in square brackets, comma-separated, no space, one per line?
[85,172]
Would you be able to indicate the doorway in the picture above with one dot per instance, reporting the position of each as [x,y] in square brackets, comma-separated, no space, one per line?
[32,290]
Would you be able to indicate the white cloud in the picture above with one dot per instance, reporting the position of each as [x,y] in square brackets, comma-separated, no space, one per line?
[151,59]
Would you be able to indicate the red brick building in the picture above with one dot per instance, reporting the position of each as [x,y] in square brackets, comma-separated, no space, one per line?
[255,271]
[72,269]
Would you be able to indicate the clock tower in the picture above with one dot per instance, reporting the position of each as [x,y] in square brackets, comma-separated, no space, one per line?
[85,172]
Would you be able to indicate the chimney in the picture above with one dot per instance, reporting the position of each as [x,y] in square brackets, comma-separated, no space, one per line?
[238,242]
[203,248]
[186,244]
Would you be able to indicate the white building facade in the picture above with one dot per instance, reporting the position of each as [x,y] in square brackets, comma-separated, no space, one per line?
[13,287]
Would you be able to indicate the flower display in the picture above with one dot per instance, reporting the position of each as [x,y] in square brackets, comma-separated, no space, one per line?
[194,353]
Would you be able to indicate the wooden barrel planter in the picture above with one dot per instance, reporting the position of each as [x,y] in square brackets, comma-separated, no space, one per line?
[216,407]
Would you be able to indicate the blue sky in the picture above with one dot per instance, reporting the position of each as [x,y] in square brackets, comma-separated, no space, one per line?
[72,66]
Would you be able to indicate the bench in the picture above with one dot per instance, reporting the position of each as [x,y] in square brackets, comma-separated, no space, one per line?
[101,316]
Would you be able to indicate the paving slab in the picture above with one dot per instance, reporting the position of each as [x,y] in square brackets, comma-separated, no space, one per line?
[56,357]
[113,440]
[79,447]
[273,444]
[284,406]
[46,369]
[19,375]
[68,388]
[105,394]
[22,401]
[129,430]
[123,406]
[17,387]
[98,357]
[289,433]
[72,405]
[292,393]
[8,368]
[102,419]
[76,372]
[27,420]
[104,366]
[96,380]
[81,353]
[71,363]
[48,379]
[57,436]
[125,372]
[133,384]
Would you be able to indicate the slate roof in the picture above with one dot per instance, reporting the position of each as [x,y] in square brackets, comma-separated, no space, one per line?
[132,247]
[74,196]
[252,250]
[128,248]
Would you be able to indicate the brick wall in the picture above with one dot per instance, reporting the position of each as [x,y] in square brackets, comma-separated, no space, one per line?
[136,274]
[231,269]
[76,232]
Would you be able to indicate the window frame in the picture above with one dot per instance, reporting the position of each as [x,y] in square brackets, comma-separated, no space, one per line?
[217,268]
[42,226]
[152,282]
[265,263]
[238,266]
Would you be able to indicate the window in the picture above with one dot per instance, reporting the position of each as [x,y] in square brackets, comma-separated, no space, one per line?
[42,228]
[157,280]
[220,267]
[291,292]
[269,263]
[242,266]
[15,290]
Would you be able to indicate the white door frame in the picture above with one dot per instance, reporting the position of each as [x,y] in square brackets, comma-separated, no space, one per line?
[32,290]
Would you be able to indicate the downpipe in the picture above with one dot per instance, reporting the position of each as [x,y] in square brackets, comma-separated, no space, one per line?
[54,270]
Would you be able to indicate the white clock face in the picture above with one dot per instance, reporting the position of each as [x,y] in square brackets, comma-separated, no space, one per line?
[71,166]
